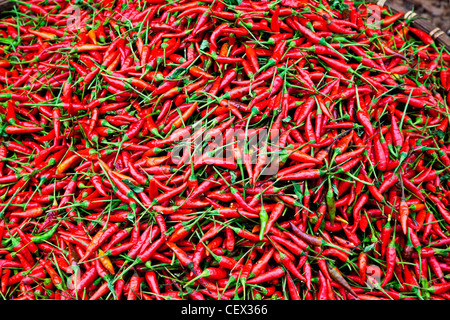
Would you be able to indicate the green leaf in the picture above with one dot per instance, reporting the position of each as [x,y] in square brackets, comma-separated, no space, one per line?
[335,189]
[122,207]
[298,191]
[233,176]
[3,125]
[111,286]
[232,2]
[15,240]
[131,216]
[7,40]
[176,73]
[204,45]
[444,178]
[377,183]
[132,186]
[369,248]
[338,5]
[287,119]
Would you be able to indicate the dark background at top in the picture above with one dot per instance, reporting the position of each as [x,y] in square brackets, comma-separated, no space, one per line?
[436,11]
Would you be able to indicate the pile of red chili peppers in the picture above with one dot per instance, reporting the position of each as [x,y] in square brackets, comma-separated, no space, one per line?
[96,202]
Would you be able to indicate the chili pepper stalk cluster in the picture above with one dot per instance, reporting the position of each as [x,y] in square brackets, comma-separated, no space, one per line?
[97,203]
